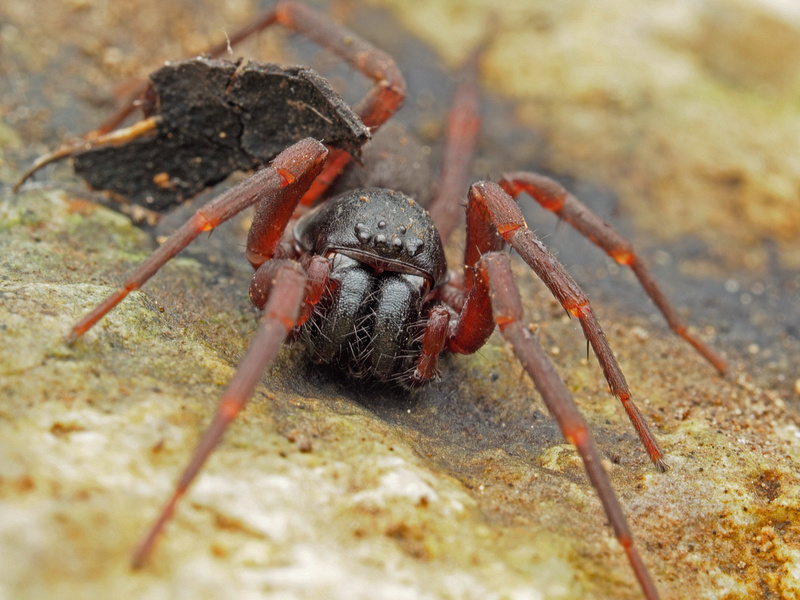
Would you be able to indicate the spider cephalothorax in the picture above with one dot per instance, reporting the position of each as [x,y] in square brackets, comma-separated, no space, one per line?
[385,257]
[363,281]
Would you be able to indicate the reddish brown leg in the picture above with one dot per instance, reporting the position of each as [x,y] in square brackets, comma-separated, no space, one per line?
[495,273]
[317,269]
[278,188]
[475,323]
[98,138]
[339,159]
[488,201]
[463,126]
[389,92]
[552,196]
[436,330]
[280,316]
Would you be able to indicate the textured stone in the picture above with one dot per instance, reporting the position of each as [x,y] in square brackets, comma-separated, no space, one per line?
[324,490]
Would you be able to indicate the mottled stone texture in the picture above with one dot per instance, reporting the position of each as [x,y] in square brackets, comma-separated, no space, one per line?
[663,119]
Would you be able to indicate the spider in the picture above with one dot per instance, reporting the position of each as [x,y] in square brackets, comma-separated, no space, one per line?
[361,278]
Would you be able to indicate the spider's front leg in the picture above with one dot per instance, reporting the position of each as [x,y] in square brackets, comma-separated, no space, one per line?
[279,187]
[494,274]
[490,208]
[280,316]
[279,287]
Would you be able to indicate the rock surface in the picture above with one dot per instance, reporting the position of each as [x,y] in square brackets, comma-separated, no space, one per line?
[466,489]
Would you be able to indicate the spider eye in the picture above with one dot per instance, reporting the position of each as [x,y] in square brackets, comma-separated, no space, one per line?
[413,246]
[362,232]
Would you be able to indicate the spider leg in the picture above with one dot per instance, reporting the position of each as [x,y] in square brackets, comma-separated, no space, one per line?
[474,324]
[552,196]
[488,202]
[317,269]
[278,188]
[433,342]
[494,273]
[114,138]
[389,91]
[463,126]
[280,316]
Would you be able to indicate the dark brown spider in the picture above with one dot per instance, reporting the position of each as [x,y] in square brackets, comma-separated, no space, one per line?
[363,283]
